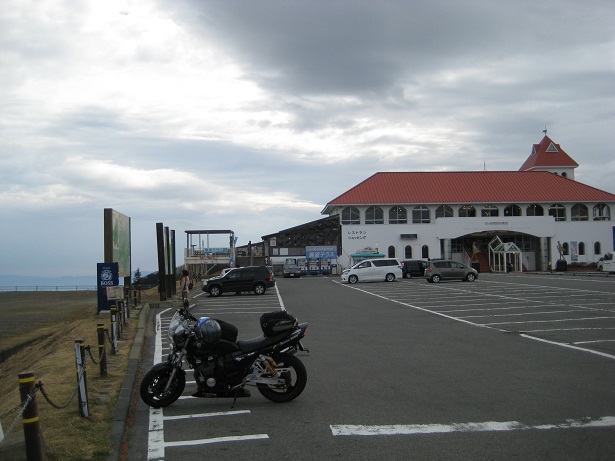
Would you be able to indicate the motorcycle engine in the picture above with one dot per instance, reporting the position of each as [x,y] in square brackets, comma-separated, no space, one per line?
[216,373]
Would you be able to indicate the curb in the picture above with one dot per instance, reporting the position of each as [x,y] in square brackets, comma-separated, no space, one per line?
[122,409]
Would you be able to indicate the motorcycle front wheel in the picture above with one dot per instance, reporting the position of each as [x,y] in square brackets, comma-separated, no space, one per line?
[295,376]
[153,384]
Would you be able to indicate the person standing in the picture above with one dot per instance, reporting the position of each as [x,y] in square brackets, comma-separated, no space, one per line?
[184,286]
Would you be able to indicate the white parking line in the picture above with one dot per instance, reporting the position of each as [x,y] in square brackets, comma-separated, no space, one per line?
[156,444]
[488,426]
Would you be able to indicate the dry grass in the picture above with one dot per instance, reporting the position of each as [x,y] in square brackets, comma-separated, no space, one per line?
[61,318]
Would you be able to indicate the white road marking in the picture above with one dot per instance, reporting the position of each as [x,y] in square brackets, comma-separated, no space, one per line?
[237,438]
[488,426]
[494,325]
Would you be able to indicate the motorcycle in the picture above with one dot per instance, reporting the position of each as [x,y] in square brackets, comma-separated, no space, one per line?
[223,366]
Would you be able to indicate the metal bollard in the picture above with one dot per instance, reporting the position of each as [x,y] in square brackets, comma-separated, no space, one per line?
[102,349]
[126,311]
[82,385]
[35,450]
[114,329]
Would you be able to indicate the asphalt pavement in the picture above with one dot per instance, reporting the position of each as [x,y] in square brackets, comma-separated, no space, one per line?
[518,366]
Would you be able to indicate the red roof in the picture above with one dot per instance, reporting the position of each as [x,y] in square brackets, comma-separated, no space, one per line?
[547,154]
[469,187]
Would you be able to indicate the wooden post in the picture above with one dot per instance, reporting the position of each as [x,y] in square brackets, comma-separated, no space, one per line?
[35,450]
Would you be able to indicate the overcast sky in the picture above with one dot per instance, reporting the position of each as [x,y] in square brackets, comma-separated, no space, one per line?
[252,115]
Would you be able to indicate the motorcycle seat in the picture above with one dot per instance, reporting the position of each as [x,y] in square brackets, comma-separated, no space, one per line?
[262,342]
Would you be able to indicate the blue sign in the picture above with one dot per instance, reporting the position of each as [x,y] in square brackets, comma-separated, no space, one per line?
[321,252]
[107,275]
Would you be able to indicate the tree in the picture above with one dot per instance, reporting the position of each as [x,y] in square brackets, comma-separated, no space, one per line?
[137,278]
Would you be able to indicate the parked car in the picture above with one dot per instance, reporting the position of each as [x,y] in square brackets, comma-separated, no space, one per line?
[446,270]
[369,270]
[252,278]
[607,262]
[413,268]
[291,270]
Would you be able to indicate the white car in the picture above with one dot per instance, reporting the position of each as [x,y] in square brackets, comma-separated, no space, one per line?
[374,270]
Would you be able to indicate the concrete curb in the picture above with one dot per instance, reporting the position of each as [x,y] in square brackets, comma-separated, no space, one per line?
[122,410]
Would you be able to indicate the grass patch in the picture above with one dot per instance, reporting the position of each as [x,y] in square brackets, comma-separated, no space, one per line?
[59,318]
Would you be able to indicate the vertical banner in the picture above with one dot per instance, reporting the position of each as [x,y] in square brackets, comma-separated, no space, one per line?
[574,251]
[107,275]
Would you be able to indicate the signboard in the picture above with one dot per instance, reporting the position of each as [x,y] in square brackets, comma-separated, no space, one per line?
[107,275]
[321,252]
[115,293]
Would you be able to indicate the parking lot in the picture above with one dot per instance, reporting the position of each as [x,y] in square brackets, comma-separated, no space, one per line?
[576,311]
[412,370]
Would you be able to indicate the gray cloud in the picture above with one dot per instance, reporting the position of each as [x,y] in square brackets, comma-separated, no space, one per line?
[252,115]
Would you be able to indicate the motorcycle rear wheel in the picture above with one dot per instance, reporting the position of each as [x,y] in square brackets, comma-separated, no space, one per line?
[296,379]
[153,384]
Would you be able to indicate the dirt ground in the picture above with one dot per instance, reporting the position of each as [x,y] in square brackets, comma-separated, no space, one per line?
[28,315]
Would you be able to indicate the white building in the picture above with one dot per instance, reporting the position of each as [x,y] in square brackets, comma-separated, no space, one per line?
[538,212]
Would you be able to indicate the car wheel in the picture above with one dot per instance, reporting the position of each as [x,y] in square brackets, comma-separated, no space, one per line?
[435,278]
[353,279]
[260,289]
[471,277]
[215,291]
[390,278]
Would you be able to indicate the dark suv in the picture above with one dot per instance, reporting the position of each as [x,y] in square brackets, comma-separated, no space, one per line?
[254,278]
[413,268]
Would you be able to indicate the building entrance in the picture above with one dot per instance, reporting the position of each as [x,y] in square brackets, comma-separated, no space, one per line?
[473,249]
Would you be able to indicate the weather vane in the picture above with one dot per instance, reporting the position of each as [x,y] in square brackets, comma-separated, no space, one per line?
[545,130]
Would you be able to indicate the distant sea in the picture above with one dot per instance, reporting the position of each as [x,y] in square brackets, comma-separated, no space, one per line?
[34,283]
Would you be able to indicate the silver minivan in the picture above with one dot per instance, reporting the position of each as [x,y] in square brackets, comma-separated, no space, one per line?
[373,270]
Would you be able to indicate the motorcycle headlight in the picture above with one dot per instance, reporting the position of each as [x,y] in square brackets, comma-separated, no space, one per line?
[176,335]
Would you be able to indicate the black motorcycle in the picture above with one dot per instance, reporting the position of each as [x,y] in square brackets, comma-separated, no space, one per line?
[223,365]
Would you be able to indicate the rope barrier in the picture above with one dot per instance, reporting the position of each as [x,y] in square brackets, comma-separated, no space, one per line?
[89,349]
[22,406]
[39,385]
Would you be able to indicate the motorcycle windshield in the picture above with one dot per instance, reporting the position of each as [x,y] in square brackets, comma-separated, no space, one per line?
[177,326]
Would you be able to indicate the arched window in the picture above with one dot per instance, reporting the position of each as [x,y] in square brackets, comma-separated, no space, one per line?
[444,211]
[489,210]
[566,248]
[408,252]
[425,252]
[397,215]
[581,248]
[579,212]
[597,248]
[391,251]
[421,215]
[374,215]
[512,210]
[351,215]
[602,212]
[558,212]
[467,211]
[535,210]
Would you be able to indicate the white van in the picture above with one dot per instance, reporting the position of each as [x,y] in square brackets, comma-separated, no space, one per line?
[370,270]
[607,263]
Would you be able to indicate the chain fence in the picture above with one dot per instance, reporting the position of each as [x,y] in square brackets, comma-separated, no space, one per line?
[39,386]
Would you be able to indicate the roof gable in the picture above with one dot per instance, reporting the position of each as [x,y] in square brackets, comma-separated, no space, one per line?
[548,154]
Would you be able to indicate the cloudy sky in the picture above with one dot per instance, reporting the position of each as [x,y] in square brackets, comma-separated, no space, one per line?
[252,115]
